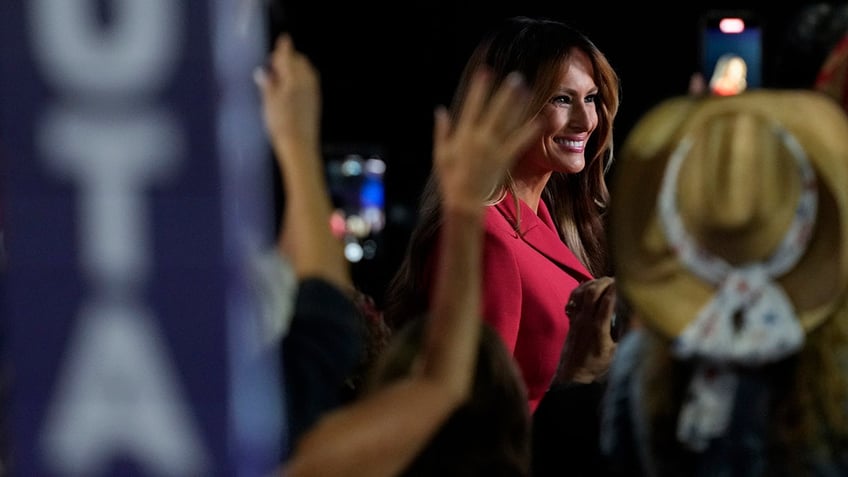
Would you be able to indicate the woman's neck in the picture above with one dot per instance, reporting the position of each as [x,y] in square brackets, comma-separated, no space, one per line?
[529,187]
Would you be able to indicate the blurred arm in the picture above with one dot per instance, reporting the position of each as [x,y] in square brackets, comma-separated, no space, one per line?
[381,434]
[292,105]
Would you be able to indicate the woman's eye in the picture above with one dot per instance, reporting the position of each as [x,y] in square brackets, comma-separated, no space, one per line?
[561,100]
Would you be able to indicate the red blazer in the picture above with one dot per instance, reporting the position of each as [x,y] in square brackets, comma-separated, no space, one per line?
[527,280]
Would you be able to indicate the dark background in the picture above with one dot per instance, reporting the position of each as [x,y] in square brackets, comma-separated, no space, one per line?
[385,67]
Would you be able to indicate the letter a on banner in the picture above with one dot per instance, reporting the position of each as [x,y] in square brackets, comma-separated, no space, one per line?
[119,396]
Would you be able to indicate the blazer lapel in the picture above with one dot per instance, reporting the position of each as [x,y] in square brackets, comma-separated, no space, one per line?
[539,232]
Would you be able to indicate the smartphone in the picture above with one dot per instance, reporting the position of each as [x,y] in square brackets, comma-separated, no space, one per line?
[731,46]
[355,174]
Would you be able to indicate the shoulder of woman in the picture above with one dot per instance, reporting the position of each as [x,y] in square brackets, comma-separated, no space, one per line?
[498,222]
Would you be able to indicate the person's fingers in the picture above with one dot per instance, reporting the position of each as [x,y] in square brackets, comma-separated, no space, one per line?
[519,139]
[283,40]
[607,294]
[478,92]
[589,292]
[697,84]
[266,76]
[605,311]
[282,55]
[506,116]
[285,45]
[589,346]
[591,305]
[441,130]
[606,303]
[502,114]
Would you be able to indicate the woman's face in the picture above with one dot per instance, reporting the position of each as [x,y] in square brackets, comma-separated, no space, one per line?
[570,116]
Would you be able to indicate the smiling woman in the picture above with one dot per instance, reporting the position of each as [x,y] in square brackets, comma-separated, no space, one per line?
[544,230]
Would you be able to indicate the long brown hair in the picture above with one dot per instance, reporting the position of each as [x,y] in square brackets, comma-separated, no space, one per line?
[537,48]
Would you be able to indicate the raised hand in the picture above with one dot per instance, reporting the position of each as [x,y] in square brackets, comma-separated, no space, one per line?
[291,105]
[471,156]
[382,433]
[291,90]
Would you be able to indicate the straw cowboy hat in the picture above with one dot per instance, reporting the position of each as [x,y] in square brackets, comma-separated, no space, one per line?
[760,185]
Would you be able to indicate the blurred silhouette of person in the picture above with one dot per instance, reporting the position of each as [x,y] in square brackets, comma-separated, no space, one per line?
[487,436]
[321,330]
[729,231]
[386,429]
[544,230]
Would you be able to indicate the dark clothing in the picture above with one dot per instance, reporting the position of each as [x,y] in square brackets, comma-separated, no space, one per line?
[566,432]
[321,349]
[741,452]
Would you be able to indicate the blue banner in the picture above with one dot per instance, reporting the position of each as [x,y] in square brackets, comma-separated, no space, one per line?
[135,190]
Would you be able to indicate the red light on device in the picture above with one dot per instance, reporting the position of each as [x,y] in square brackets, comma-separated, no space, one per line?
[731,25]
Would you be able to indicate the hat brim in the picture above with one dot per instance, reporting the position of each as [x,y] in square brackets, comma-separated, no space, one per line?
[666,295]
